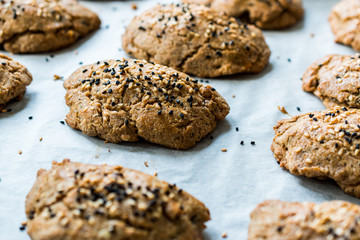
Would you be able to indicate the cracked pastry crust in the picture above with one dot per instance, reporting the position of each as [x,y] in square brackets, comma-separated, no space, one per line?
[274,219]
[14,78]
[266,14]
[82,201]
[122,100]
[345,23]
[196,40]
[33,26]
[335,80]
[324,145]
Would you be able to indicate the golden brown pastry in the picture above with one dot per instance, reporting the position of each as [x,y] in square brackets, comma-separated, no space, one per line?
[324,145]
[274,220]
[196,40]
[33,26]
[124,100]
[82,201]
[335,79]
[266,14]
[14,78]
[345,21]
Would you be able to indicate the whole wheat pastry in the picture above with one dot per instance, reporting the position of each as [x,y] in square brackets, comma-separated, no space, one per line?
[335,79]
[345,21]
[33,26]
[124,100]
[324,145]
[266,14]
[196,40]
[14,78]
[274,220]
[82,201]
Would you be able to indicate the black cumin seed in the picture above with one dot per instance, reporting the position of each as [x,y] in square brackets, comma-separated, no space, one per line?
[30,117]
[171,112]
[110,90]
[62,122]
[252,142]
[242,143]
[298,108]
[181,115]
[159,112]
[237,129]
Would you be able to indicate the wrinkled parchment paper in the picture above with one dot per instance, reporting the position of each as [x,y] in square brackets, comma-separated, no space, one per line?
[230,183]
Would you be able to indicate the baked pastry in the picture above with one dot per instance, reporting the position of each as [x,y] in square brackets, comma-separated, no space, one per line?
[321,145]
[43,25]
[196,40]
[14,78]
[122,100]
[335,80]
[83,201]
[345,21]
[274,219]
[266,14]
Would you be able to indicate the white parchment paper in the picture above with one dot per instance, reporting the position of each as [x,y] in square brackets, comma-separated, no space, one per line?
[230,183]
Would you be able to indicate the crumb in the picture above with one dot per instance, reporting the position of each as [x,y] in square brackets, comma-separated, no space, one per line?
[109,150]
[4,110]
[134,6]
[155,174]
[96,156]
[224,150]
[76,52]
[40,139]
[282,109]
[106,141]
[146,164]
[57,77]
[20,152]
[233,96]
[312,35]
[224,235]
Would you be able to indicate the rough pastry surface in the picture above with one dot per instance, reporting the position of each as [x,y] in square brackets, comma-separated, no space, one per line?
[197,40]
[14,78]
[322,145]
[266,14]
[122,100]
[345,23]
[274,219]
[32,26]
[335,79]
[83,201]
